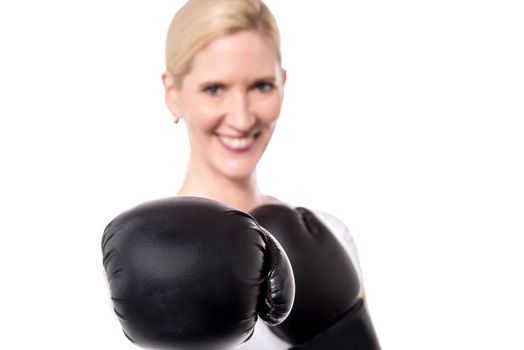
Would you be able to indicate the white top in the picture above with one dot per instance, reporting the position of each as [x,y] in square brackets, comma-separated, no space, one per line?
[263,338]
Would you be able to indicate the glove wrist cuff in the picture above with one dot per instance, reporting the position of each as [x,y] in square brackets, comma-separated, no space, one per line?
[354,330]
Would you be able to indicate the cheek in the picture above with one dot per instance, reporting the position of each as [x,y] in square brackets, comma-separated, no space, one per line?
[201,115]
[269,110]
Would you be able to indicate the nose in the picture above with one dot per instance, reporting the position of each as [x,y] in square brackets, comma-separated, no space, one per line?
[239,115]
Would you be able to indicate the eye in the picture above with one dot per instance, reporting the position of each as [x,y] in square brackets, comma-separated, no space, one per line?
[213,89]
[264,86]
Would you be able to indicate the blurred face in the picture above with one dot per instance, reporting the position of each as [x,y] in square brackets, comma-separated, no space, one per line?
[230,102]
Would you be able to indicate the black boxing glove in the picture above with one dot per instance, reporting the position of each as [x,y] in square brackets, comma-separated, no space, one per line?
[191,273]
[329,311]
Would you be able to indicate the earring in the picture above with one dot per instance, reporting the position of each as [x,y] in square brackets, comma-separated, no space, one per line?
[177,119]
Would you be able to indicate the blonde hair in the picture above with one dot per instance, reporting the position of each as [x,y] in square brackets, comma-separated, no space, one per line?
[198,22]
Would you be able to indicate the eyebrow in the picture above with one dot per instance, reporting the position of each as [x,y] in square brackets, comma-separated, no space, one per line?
[268,78]
[205,84]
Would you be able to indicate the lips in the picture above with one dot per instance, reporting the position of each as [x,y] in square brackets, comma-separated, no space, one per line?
[237,143]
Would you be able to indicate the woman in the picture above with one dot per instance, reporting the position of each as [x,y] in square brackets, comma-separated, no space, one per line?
[228,89]
[225,81]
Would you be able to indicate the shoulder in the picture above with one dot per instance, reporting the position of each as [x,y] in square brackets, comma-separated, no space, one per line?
[343,234]
[335,225]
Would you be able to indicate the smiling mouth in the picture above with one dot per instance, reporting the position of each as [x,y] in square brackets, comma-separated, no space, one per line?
[238,143]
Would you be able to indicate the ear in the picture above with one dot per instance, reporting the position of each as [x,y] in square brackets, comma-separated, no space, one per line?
[283,76]
[171,94]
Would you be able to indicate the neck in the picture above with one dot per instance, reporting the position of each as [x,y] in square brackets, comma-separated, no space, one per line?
[243,194]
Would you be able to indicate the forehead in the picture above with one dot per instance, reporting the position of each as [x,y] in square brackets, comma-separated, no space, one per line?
[245,53]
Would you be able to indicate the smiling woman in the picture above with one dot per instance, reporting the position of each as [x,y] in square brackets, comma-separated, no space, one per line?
[230,101]
[225,81]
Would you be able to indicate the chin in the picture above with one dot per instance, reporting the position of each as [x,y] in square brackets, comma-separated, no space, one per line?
[237,172]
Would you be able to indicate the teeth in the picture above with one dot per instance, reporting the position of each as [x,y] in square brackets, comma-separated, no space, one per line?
[237,142]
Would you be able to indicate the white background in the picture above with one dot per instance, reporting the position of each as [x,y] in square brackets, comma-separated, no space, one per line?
[403,118]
